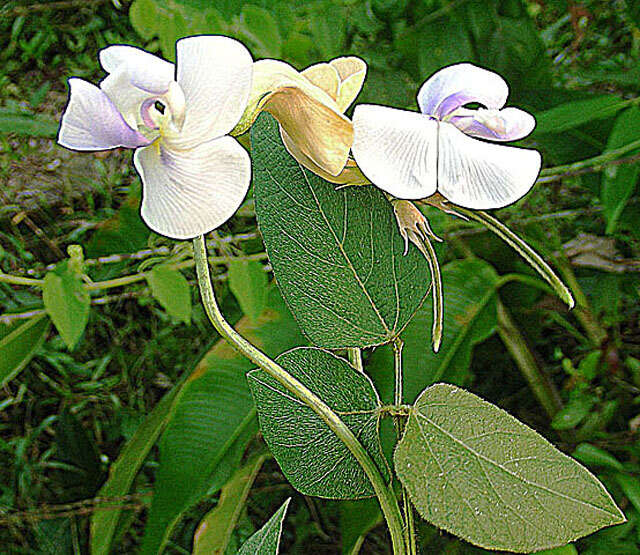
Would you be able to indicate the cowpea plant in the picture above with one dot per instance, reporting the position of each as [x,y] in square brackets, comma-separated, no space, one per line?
[352,281]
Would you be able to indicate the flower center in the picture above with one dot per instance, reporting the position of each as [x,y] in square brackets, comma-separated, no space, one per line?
[165,114]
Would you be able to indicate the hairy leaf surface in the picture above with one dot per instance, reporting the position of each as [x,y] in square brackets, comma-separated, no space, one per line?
[266,541]
[337,254]
[476,471]
[312,457]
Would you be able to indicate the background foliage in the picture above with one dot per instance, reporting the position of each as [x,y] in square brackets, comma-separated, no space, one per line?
[135,375]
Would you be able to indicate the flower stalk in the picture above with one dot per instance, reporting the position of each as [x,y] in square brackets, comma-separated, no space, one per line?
[531,256]
[384,492]
[409,528]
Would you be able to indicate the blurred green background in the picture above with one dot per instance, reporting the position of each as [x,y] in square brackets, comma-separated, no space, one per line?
[67,414]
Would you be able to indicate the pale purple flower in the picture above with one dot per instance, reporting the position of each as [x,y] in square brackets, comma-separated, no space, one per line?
[194,175]
[444,149]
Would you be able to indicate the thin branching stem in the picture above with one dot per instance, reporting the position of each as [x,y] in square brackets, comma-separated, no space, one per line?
[409,528]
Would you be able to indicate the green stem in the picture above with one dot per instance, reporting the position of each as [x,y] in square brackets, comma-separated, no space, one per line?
[409,532]
[551,174]
[17,280]
[355,358]
[383,491]
[583,312]
[531,256]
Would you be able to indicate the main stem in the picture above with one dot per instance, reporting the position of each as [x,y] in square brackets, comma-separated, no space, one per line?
[409,530]
[383,491]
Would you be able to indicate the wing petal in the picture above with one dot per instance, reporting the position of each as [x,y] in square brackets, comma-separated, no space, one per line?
[480,175]
[396,150]
[189,193]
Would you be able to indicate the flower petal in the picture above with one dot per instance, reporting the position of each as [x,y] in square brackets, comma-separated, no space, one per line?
[320,131]
[135,76]
[508,124]
[324,76]
[92,122]
[350,175]
[352,71]
[480,175]
[459,84]
[215,75]
[146,71]
[396,150]
[189,193]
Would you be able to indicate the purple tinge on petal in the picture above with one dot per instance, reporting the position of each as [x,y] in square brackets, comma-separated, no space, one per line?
[454,86]
[453,102]
[144,112]
[92,122]
[509,124]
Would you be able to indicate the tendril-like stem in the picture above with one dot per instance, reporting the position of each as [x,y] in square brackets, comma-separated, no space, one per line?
[531,256]
[426,248]
[383,491]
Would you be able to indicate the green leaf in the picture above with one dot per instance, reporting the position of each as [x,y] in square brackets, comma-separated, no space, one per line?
[595,456]
[67,302]
[260,30]
[33,125]
[573,114]
[619,180]
[337,254]
[357,519]
[248,282]
[479,473]
[563,550]
[266,541]
[19,341]
[123,471]
[212,421]
[311,456]
[469,318]
[215,529]
[171,289]
[171,20]
[441,44]
[145,18]
[574,412]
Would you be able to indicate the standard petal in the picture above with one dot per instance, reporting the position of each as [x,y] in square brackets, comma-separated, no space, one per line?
[189,193]
[352,71]
[454,86]
[508,124]
[215,75]
[146,71]
[324,76]
[480,175]
[396,150]
[92,122]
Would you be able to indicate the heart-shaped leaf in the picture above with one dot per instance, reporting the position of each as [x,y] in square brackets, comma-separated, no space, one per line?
[337,254]
[312,457]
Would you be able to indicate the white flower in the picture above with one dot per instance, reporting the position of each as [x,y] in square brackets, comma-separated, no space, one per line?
[414,155]
[178,118]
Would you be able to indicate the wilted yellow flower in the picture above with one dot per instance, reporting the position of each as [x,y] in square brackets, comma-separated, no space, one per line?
[309,107]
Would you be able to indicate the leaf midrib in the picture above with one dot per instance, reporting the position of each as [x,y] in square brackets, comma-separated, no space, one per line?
[343,252]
